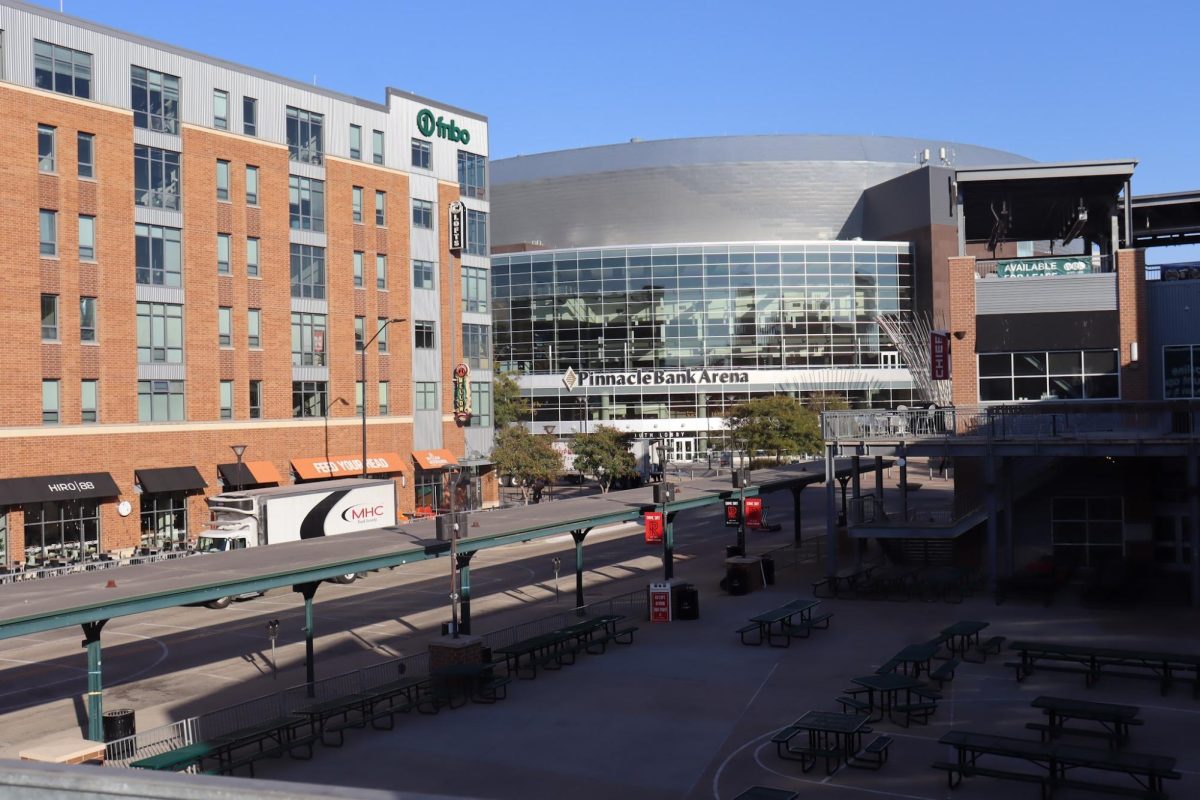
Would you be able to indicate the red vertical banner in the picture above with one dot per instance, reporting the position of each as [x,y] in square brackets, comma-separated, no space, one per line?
[754,511]
[654,526]
[939,355]
[732,517]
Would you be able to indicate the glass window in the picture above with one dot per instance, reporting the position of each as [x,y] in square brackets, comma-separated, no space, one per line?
[224,240]
[359,335]
[1061,374]
[472,175]
[50,317]
[48,232]
[225,326]
[252,257]
[64,531]
[381,270]
[308,339]
[475,289]
[222,180]
[477,236]
[86,147]
[424,333]
[254,327]
[160,333]
[381,209]
[422,214]
[250,116]
[377,147]
[251,185]
[426,392]
[87,237]
[356,201]
[160,401]
[306,203]
[1178,373]
[358,397]
[358,269]
[308,398]
[87,319]
[155,100]
[46,148]
[477,350]
[159,255]
[381,334]
[356,142]
[308,271]
[156,177]
[305,136]
[226,399]
[255,399]
[61,69]
[164,519]
[88,401]
[221,109]
[385,391]
[481,405]
[49,402]
[422,154]
[423,272]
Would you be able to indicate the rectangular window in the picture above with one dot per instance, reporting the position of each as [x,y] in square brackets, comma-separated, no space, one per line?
[255,399]
[249,116]
[48,232]
[221,109]
[481,405]
[424,335]
[356,142]
[477,348]
[49,402]
[254,328]
[89,407]
[86,155]
[159,255]
[426,396]
[225,326]
[252,257]
[381,334]
[251,185]
[1087,531]
[423,272]
[1181,372]
[224,241]
[226,399]
[381,270]
[61,69]
[156,180]
[155,100]
[422,154]
[305,136]
[1042,375]
[385,391]
[87,237]
[360,324]
[308,340]
[380,209]
[47,145]
[306,203]
[160,333]
[422,214]
[477,235]
[377,147]
[222,180]
[308,271]
[356,203]
[50,318]
[87,319]
[308,398]
[358,397]
[358,269]
[160,401]
[472,175]
[475,289]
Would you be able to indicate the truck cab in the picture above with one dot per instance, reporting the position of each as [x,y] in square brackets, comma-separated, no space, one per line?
[233,524]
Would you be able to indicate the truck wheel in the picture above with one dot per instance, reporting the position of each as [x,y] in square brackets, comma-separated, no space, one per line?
[220,602]
[347,579]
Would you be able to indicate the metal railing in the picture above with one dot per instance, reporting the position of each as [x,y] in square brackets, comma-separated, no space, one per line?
[37,573]
[153,742]
[632,604]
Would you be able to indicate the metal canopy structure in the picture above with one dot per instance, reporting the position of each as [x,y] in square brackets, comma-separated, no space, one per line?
[1159,220]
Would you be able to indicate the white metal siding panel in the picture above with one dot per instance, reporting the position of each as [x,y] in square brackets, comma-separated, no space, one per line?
[1041,295]
[427,430]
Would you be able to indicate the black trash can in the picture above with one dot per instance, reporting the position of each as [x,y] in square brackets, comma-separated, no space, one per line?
[768,570]
[736,581]
[733,551]
[689,602]
[118,724]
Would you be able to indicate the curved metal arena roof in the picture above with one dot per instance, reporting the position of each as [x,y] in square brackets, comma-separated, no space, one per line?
[728,188]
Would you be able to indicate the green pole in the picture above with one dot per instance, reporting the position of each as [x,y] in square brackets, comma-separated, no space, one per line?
[578,536]
[668,545]
[464,590]
[91,633]
[307,590]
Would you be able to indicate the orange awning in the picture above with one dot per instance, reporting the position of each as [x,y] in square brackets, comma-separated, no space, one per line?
[435,459]
[263,472]
[346,466]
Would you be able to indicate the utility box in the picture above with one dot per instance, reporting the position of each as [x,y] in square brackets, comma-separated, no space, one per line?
[660,602]
[664,493]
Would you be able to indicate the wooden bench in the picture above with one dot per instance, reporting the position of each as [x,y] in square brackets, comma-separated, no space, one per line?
[745,629]
[874,755]
[944,672]
[991,646]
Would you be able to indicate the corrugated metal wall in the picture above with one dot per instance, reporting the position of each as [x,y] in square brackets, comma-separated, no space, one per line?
[1035,295]
[1173,308]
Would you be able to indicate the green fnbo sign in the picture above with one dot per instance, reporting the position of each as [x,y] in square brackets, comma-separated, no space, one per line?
[1043,267]
[428,124]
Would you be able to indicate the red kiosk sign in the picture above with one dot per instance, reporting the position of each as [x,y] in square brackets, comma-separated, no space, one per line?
[654,526]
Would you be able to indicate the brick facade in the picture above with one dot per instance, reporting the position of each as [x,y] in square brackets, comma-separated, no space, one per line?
[1134,325]
[961,283]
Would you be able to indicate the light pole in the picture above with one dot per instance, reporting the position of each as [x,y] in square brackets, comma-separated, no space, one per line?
[238,449]
[363,353]
[329,406]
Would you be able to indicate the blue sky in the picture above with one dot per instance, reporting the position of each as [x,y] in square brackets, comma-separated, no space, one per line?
[1049,80]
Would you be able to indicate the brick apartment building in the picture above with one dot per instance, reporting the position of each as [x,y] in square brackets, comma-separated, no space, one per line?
[206,247]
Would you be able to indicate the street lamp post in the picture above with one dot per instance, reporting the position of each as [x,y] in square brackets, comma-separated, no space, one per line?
[238,449]
[363,353]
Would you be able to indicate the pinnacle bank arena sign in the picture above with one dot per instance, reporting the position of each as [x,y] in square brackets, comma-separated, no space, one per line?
[662,377]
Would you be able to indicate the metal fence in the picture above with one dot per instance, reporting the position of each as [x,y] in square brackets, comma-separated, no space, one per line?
[37,573]
[120,752]
[634,605]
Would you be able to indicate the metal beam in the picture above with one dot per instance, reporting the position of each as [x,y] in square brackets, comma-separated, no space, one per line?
[307,590]
[579,536]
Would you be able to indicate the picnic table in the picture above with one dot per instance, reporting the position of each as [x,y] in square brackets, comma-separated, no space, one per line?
[848,576]
[832,736]
[963,634]
[778,622]
[1113,718]
[1090,660]
[222,748]
[885,581]
[888,686]
[558,644]
[918,655]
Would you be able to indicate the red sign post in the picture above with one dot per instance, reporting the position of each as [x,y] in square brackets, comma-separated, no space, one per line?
[939,355]
[654,526]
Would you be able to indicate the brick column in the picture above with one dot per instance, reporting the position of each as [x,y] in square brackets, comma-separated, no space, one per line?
[962,319]
[447,652]
[1133,324]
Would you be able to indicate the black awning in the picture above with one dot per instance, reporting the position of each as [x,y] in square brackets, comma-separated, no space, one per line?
[236,475]
[171,479]
[14,491]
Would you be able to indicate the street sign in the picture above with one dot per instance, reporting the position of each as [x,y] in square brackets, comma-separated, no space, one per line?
[939,355]
[654,526]
[458,229]
[660,602]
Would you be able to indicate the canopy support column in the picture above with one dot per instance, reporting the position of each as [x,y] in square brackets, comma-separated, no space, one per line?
[95,693]
[579,535]
[307,590]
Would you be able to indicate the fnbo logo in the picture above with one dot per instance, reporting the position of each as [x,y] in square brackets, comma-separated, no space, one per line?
[427,124]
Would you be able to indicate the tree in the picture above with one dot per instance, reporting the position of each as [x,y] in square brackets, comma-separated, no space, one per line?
[604,454]
[776,424]
[826,401]
[526,457]
[507,404]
